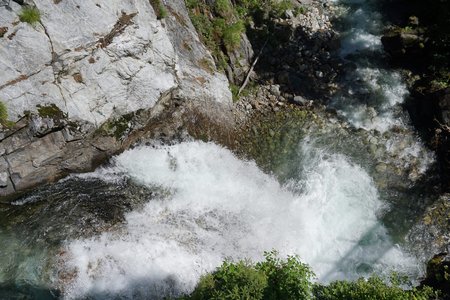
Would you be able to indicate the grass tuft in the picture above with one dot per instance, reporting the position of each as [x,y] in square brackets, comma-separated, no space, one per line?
[30,15]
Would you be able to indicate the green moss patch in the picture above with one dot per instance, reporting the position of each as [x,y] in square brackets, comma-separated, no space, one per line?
[118,127]
[51,111]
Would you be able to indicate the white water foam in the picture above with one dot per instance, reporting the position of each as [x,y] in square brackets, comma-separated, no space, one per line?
[221,207]
[364,32]
[372,103]
[374,94]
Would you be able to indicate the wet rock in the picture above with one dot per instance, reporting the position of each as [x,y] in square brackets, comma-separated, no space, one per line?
[4,179]
[403,45]
[275,90]
[438,274]
[431,234]
[40,126]
[300,100]
[444,105]
[283,77]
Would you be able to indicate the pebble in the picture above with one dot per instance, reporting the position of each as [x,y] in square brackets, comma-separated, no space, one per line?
[275,90]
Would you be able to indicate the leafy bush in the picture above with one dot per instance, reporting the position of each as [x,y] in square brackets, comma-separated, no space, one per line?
[373,288]
[221,23]
[279,7]
[232,35]
[223,8]
[30,15]
[271,279]
[286,279]
[289,279]
[231,281]
[224,29]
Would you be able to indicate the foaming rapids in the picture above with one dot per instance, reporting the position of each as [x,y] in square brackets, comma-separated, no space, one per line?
[217,207]
[371,95]
[372,99]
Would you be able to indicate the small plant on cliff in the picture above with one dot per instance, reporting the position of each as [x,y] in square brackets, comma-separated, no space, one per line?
[3,113]
[223,8]
[159,9]
[232,35]
[4,116]
[30,15]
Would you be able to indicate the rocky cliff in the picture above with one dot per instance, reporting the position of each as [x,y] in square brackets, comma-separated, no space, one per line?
[80,83]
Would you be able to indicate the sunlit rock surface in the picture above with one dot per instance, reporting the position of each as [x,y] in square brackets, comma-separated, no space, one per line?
[90,62]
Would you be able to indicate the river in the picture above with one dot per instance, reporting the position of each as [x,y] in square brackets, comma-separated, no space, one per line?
[157,217]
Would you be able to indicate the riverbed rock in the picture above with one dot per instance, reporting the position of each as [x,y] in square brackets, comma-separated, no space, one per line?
[403,44]
[300,100]
[438,274]
[121,59]
[431,234]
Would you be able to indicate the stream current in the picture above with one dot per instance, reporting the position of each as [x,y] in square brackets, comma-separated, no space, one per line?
[156,218]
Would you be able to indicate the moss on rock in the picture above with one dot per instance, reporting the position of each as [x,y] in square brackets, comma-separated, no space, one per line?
[51,111]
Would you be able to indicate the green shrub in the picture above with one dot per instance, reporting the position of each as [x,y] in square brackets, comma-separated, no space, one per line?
[234,91]
[271,279]
[30,15]
[373,288]
[223,8]
[277,9]
[231,281]
[286,279]
[289,279]
[232,35]
[299,10]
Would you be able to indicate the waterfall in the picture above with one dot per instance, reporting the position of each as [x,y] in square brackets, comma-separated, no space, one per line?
[219,207]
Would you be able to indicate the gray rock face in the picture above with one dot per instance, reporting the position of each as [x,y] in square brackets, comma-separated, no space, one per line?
[93,62]
[431,234]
